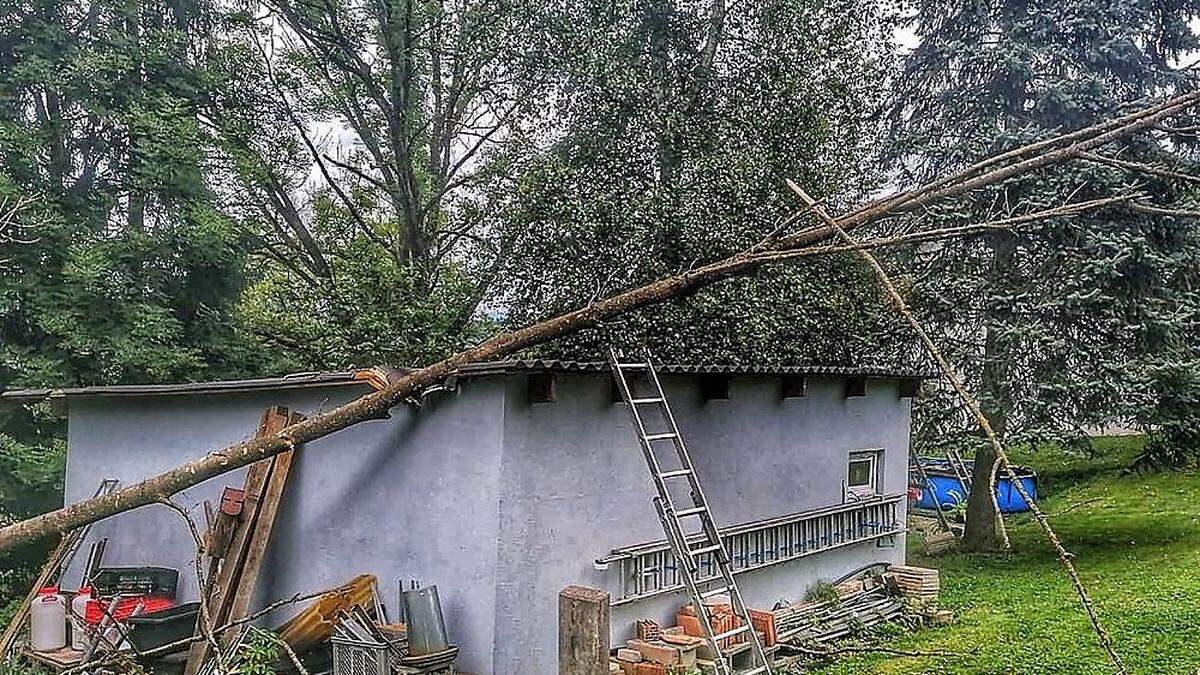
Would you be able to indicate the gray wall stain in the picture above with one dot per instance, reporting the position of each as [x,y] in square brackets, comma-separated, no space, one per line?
[499,502]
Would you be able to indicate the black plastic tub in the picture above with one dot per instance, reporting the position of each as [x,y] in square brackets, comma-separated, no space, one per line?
[151,631]
[158,581]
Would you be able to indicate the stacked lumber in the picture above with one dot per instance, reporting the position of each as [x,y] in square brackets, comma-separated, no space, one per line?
[916,583]
[238,536]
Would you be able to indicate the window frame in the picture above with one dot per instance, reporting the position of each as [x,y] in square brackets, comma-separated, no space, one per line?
[875,457]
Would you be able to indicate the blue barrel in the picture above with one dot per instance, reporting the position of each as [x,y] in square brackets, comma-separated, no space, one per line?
[944,488]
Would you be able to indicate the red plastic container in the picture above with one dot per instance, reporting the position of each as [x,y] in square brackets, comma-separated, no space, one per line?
[125,607]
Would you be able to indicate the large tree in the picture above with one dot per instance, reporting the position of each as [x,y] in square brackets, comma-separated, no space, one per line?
[1074,323]
[372,153]
[676,124]
[120,265]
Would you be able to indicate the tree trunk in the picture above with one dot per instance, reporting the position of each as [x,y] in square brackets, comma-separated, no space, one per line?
[981,532]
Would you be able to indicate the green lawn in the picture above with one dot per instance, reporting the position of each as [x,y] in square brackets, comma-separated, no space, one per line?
[1138,551]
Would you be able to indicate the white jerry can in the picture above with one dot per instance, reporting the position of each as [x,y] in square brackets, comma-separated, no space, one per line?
[48,621]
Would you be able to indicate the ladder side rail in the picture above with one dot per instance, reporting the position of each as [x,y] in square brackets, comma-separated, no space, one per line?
[740,608]
[724,563]
[699,499]
[686,565]
[685,457]
[645,445]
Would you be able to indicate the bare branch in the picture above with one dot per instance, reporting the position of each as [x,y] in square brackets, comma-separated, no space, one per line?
[1138,166]
[205,623]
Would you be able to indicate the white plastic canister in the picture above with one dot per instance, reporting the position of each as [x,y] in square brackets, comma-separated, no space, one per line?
[78,625]
[48,620]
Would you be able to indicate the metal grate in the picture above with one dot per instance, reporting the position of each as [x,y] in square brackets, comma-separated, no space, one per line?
[360,658]
[648,570]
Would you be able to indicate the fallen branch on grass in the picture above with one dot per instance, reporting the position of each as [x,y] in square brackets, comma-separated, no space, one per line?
[830,652]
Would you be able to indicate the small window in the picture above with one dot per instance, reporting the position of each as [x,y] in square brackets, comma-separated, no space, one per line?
[862,476]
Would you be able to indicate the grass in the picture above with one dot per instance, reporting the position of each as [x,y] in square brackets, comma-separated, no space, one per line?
[1137,548]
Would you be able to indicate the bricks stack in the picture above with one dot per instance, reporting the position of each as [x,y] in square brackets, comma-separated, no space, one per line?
[668,654]
[720,615]
[764,623]
[647,629]
[916,583]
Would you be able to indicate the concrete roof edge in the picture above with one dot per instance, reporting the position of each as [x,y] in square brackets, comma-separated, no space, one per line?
[292,381]
[483,369]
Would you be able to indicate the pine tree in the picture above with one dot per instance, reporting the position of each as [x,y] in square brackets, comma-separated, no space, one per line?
[1069,324]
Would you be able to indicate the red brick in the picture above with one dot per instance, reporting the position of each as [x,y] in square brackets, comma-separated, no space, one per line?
[764,622]
[690,624]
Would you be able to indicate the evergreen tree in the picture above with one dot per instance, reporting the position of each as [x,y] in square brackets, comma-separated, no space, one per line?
[1076,322]
[123,267]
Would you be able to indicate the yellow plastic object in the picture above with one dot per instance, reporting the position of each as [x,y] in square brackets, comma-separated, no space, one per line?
[314,625]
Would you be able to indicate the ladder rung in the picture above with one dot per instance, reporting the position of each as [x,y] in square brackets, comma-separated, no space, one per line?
[640,401]
[674,474]
[659,437]
[730,633]
[704,549]
[633,366]
[684,513]
[756,671]
[714,592]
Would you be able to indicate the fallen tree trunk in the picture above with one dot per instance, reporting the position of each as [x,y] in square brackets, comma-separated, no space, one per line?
[377,404]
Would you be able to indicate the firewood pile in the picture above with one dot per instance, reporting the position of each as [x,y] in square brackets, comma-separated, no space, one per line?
[830,620]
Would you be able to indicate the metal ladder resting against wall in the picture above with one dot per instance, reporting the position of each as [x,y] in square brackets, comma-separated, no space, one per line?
[686,547]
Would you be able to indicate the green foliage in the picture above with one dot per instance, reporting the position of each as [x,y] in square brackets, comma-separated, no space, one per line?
[124,267]
[823,591]
[374,310]
[1134,540]
[255,656]
[1071,322]
[22,666]
[665,160]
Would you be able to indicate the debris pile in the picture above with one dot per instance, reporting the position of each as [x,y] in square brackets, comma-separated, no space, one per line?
[855,605]
[119,616]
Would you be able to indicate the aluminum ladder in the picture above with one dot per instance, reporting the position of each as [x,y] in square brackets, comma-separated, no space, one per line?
[959,467]
[686,548]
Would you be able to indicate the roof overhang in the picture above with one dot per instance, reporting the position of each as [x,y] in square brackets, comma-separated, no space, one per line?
[380,377]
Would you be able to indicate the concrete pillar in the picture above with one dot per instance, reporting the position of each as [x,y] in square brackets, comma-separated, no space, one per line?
[584,621]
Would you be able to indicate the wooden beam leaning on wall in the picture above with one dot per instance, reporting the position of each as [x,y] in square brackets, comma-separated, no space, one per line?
[241,544]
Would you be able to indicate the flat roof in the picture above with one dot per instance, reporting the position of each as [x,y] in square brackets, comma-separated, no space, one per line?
[367,377]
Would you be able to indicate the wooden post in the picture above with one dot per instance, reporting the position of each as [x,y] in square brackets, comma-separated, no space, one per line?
[583,631]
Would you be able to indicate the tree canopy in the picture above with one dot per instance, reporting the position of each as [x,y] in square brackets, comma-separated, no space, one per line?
[1077,322]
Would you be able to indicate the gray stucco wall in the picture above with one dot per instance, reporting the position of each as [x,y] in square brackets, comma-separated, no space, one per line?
[575,486]
[498,501]
[413,497]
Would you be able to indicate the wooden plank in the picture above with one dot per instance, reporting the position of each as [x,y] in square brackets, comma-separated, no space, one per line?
[221,590]
[583,631]
[260,537]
